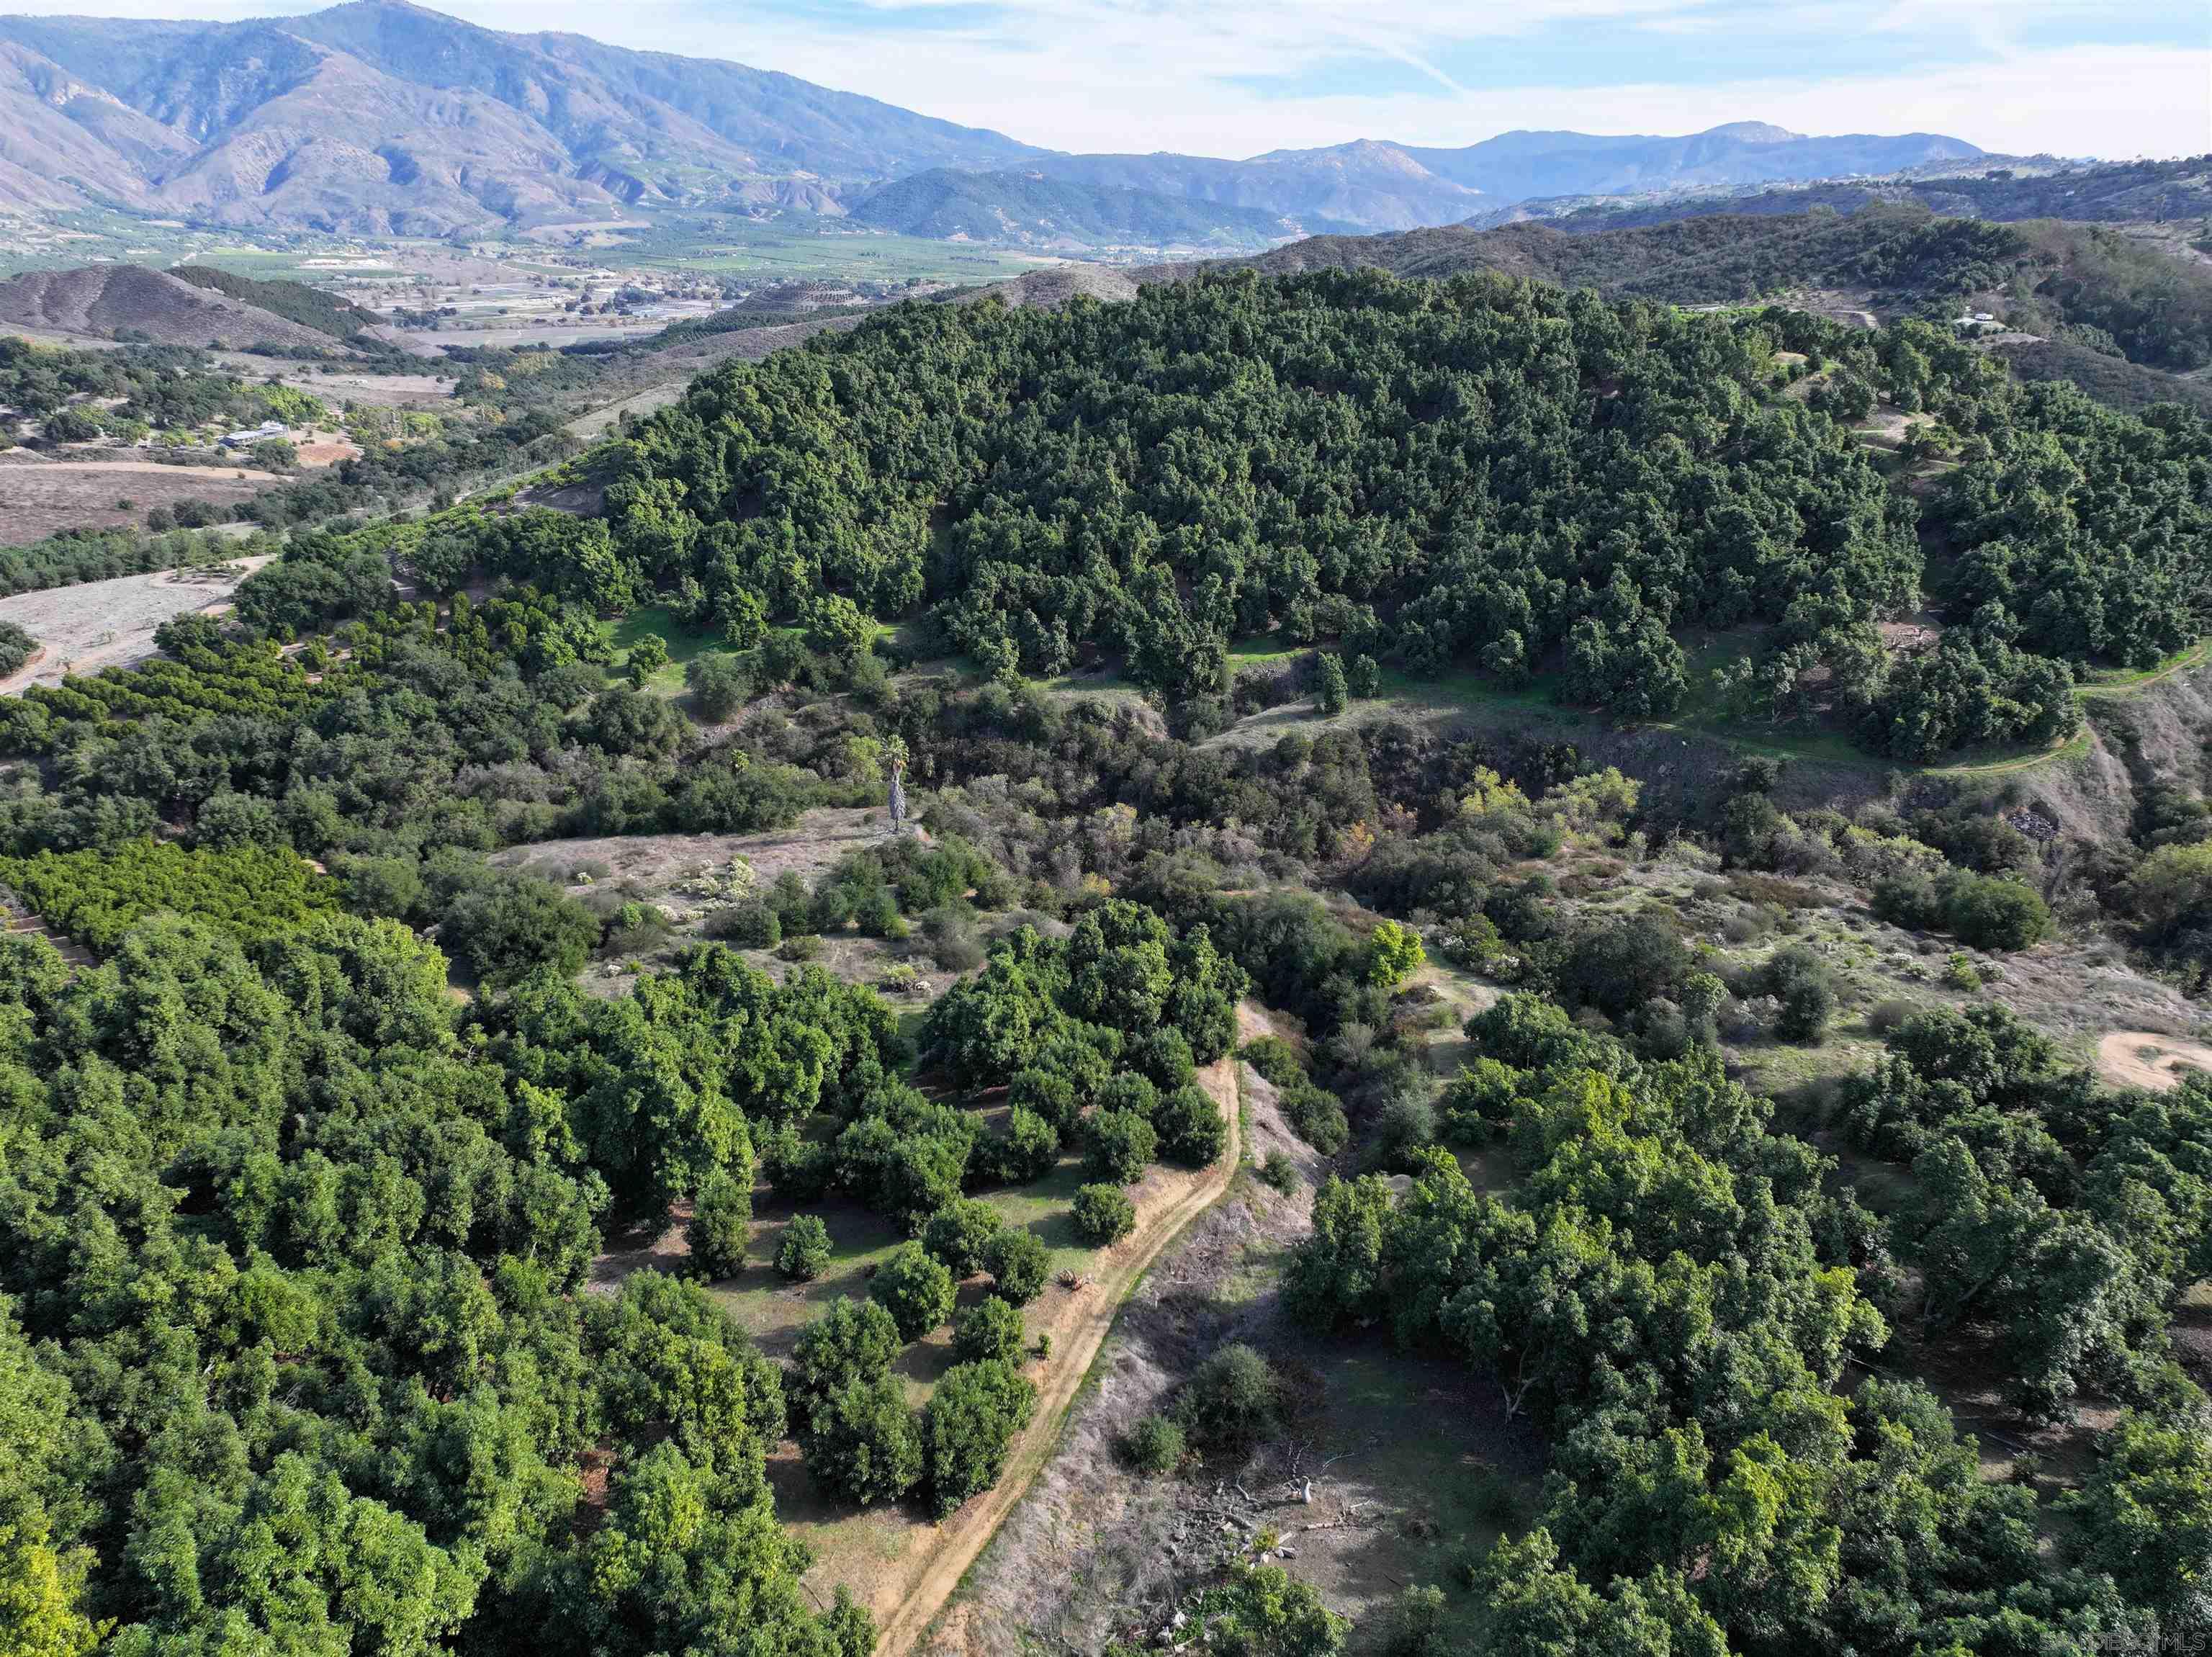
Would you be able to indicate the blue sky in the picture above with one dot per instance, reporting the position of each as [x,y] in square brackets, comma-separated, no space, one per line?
[1235,77]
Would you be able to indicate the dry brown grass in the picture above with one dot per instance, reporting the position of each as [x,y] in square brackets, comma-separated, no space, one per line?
[39,497]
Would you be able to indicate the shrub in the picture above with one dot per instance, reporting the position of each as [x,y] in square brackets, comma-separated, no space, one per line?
[16,647]
[1103,1215]
[988,1331]
[1275,1059]
[803,1252]
[1163,1058]
[1264,1609]
[624,721]
[746,926]
[1031,1148]
[1155,1444]
[1393,954]
[1802,981]
[1988,912]
[1331,694]
[1234,1400]
[853,1341]
[1280,1173]
[1317,1116]
[1047,1093]
[966,1427]
[648,657]
[1118,1144]
[718,684]
[1405,1124]
[1887,1016]
[950,932]
[634,929]
[915,1289]
[863,1444]
[959,1233]
[1418,1627]
[1129,1093]
[1190,1128]
[1619,965]
[1018,1262]
[1996,914]
[721,1221]
[513,926]
[383,886]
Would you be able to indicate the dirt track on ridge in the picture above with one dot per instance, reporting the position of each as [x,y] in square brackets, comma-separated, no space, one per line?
[945,1559]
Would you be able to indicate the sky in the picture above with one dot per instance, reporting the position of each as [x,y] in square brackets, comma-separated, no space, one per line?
[2111,78]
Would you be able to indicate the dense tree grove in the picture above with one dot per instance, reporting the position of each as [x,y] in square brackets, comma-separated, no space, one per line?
[304,1171]
[2069,1218]
[291,1352]
[255,893]
[1673,1294]
[1479,472]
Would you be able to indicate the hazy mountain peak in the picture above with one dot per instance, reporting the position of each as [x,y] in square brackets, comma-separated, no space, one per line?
[1753,132]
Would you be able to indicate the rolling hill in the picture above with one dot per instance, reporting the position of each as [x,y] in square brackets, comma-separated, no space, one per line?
[2121,297]
[111,301]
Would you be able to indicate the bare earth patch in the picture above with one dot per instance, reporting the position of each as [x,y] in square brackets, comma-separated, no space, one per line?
[110,624]
[2143,1058]
[655,862]
[39,498]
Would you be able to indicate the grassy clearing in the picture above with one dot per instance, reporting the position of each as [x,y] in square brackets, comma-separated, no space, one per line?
[1415,1468]
[773,1309]
[684,641]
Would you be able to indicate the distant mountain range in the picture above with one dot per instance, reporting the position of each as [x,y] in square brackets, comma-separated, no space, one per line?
[1035,210]
[379,117]
[2100,193]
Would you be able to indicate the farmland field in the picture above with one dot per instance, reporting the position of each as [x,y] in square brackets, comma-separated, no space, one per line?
[39,498]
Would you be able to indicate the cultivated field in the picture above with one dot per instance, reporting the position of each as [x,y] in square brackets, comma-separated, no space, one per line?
[39,497]
[391,391]
[109,623]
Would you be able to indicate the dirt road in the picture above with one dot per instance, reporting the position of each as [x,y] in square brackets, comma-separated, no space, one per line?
[945,1557]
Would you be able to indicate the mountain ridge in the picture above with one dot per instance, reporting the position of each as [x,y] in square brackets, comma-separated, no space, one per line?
[378,117]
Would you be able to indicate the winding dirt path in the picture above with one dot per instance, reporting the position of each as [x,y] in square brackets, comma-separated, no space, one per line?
[944,1559]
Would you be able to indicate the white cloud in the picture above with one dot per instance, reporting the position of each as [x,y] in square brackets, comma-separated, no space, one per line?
[1104,90]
